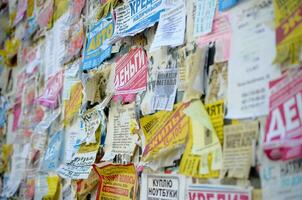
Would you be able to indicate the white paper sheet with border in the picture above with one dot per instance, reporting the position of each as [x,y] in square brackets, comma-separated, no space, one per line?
[17,170]
[79,167]
[55,46]
[281,180]
[171,27]
[251,57]
[165,89]
[70,78]
[203,22]
[74,134]
[119,139]
[163,187]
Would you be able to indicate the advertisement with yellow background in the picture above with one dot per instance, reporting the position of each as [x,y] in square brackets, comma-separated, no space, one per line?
[164,131]
[117,182]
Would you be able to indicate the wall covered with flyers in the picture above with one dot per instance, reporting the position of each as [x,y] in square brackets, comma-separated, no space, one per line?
[151,99]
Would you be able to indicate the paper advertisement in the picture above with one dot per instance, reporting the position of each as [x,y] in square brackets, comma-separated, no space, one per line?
[22,6]
[51,93]
[165,89]
[60,7]
[67,191]
[118,182]
[205,142]
[218,192]
[97,48]
[189,164]
[53,188]
[288,25]
[283,131]
[81,162]
[217,82]
[164,131]
[91,121]
[17,171]
[131,74]
[6,152]
[71,76]
[205,10]
[95,88]
[74,134]
[226,4]
[221,35]
[41,186]
[86,186]
[238,148]
[80,165]
[161,59]
[39,141]
[281,180]
[216,114]
[32,59]
[75,40]
[190,69]
[3,110]
[162,187]
[46,122]
[52,156]
[136,15]
[119,139]
[28,104]
[17,113]
[72,106]
[252,38]
[171,27]
[21,80]
[55,47]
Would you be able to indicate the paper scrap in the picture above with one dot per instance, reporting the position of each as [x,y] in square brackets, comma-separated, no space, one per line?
[171,27]
[205,10]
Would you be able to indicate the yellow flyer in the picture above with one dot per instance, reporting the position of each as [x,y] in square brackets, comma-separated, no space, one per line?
[61,7]
[216,113]
[288,22]
[190,163]
[164,131]
[73,105]
[106,8]
[203,155]
[117,182]
[30,8]
[54,188]
[7,150]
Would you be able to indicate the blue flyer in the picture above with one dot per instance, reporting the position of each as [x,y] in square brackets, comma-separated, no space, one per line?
[52,155]
[97,48]
[136,16]
[226,4]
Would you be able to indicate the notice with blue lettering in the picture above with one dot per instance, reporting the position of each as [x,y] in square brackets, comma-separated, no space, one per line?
[204,16]
[137,15]
[97,48]
[281,180]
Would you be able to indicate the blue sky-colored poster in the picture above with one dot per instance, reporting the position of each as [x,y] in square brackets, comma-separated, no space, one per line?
[52,156]
[136,16]
[97,48]
[226,4]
